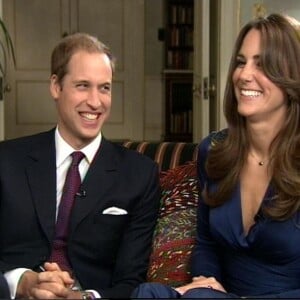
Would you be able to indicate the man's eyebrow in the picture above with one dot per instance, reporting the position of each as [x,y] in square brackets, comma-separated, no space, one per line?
[80,80]
[106,83]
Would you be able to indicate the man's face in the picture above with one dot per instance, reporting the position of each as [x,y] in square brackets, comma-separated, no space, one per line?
[83,99]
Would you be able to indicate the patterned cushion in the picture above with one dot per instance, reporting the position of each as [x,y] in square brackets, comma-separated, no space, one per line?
[175,232]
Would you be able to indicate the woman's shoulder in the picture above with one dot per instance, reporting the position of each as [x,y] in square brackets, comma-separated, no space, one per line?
[213,138]
[218,136]
[209,141]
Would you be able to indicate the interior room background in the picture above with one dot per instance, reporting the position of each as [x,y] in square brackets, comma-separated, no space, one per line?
[138,31]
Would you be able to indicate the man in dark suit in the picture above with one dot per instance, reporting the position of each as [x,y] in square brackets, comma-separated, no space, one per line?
[115,209]
[4,292]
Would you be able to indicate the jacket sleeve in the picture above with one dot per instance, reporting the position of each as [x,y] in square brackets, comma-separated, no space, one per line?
[205,255]
[134,251]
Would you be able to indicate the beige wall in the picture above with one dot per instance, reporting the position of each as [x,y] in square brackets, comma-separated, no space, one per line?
[154,61]
[249,8]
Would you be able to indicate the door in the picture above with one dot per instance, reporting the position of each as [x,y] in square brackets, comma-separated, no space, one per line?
[201,70]
[37,27]
[215,26]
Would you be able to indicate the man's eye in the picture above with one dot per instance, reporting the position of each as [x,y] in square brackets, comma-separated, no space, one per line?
[105,88]
[81,85]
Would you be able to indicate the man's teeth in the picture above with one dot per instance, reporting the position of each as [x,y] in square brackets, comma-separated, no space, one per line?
[250,93]
[89,116]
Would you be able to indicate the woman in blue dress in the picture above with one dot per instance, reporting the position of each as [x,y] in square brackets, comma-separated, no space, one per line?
[248,228]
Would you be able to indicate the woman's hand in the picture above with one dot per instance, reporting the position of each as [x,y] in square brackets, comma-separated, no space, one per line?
[201,282]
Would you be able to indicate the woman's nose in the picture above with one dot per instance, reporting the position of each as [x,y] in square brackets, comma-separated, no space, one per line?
[247,73]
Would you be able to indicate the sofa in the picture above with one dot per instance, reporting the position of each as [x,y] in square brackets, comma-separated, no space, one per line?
[174,236]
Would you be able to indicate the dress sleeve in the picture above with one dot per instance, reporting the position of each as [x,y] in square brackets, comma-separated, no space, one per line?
[205,259]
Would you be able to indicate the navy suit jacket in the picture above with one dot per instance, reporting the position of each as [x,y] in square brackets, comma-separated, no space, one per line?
[108,253]
[4,291]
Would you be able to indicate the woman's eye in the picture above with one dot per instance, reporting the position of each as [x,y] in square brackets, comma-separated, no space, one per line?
[240,63]
[258,64]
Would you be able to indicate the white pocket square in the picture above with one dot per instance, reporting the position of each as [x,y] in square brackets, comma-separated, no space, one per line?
[114,211]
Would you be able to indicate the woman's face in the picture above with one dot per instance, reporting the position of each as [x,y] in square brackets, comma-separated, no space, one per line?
[259,99]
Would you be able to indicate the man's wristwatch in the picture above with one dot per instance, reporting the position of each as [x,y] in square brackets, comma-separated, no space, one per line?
[87,295]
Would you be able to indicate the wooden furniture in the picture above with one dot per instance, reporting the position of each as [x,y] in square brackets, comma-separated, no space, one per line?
[178,74]
[179,106]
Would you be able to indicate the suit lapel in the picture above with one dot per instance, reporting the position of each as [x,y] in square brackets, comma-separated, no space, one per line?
[98,180]
[41,174]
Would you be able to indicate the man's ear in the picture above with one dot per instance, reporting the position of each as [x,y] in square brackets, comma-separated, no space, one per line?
[55,87]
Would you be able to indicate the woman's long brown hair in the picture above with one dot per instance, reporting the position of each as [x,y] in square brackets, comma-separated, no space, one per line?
[280,61]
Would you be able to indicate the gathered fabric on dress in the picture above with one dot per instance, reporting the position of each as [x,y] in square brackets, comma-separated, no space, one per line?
[263,261]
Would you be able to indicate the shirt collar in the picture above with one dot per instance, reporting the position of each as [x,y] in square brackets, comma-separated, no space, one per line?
[63,149]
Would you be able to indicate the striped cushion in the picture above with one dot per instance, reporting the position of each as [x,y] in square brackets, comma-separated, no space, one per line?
[168,155]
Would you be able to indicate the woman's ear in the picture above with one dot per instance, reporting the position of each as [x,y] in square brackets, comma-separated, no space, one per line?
[55,87]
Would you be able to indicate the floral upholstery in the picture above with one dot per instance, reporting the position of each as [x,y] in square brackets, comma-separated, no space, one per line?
[175,232]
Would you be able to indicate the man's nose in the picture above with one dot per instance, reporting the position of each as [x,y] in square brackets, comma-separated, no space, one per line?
[94,99]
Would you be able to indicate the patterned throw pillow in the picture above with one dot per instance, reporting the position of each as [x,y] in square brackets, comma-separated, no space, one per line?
[175,232]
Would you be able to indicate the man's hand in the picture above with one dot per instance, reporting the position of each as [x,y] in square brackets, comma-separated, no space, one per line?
[26,282]
[54,291]
[201,282]
[50,284]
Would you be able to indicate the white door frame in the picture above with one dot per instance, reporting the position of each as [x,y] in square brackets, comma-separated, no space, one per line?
[228,27]
[201,69]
